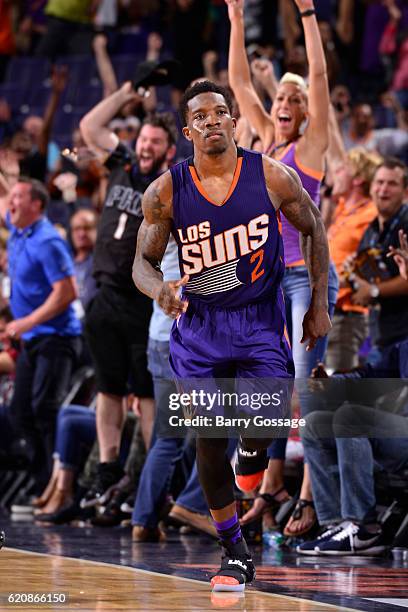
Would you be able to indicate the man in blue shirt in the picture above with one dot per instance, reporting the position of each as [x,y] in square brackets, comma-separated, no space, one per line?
[42,291]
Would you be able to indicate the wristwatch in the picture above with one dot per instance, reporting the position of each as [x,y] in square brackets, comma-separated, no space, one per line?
[374,291]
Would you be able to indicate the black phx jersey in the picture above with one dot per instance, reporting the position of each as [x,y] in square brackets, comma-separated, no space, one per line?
[120,221]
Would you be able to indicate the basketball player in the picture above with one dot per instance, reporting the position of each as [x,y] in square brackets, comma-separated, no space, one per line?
[221,206]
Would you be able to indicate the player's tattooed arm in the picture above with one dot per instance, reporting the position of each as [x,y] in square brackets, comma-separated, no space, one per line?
[153,236]
[287,194]
[151,244]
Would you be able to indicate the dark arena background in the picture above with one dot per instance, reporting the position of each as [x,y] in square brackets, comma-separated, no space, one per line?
[125,308]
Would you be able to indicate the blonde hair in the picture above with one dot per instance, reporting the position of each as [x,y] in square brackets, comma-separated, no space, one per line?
[364,164]
[296,79]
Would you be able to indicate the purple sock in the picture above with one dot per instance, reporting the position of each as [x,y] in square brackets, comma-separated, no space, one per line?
[229,530]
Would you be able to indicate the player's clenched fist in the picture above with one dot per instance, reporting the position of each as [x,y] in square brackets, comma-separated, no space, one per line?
[235,8]
[316,324]
[169,297]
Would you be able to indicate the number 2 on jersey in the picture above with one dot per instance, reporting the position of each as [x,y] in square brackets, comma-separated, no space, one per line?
[120,229]
[257,272]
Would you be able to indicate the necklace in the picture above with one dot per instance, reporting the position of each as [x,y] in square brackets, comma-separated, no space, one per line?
[272,149]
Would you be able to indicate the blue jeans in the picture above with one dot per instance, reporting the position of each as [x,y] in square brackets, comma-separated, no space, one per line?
[296,289]
[76,433]
[342,466]
[164,452]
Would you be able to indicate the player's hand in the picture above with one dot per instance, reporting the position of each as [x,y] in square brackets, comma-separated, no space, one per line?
[169,297]
[16,328]
[235,8]
[316,324]
[304,5]
[400,255]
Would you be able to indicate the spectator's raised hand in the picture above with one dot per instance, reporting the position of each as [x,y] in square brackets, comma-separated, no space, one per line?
[59,78]
[100,41]
[393,9]
[304,5]
[344,24]
[235,8]
[400,255]
[262,69]
[67,183]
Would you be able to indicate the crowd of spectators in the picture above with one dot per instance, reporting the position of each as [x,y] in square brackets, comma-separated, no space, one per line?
[90,192]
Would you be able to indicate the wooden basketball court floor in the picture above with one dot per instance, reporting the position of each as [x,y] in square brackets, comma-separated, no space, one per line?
[100,569]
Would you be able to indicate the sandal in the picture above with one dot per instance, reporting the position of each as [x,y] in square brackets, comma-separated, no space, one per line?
[296,515]
[267,503]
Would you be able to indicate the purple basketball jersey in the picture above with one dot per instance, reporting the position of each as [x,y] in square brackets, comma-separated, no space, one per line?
[311,181]
[233,253]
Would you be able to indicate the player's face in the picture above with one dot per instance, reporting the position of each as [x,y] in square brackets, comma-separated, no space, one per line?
[388,191]
[209,123]
[289,110]
[152,148]
[23,209]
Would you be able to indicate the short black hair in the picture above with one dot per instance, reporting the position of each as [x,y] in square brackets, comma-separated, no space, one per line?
[167,122]
[391,163]
[38,190]
[200,88]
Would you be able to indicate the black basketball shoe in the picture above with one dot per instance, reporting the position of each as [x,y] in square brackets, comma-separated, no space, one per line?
[237,568]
